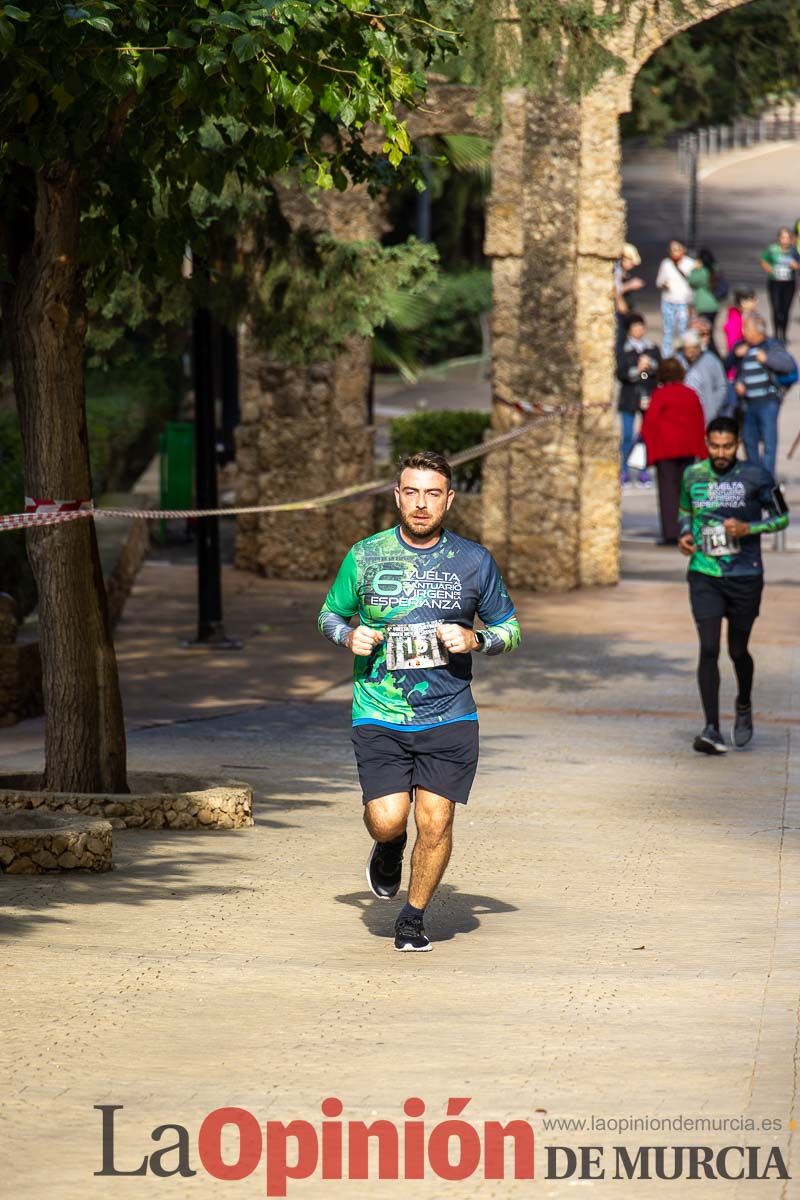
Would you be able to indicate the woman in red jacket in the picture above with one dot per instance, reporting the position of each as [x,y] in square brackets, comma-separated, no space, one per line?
[673,431]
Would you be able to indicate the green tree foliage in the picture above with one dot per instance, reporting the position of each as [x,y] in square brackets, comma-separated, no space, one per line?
[318,293]
[114,118]
[436,322]
[155,101]
[722,68]
[551,42]
[445,432]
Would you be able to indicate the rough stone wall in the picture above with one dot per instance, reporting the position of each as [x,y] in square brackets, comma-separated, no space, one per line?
[303,432]
[156,801]
[555,225]
[601,232]
[31,844]
[531,491]
[305,429]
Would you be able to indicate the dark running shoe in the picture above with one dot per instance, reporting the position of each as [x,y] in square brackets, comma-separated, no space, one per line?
[385,868]
[742,726]
[409,934]
[710,741]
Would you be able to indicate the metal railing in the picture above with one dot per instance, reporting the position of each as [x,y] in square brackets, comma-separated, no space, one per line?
[780,124]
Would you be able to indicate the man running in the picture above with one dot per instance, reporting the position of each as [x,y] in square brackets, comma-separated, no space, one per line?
[416,589]
[720,516]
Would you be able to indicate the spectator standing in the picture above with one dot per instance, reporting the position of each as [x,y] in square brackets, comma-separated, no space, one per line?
[781,262]
[625,282]
[676,293]
[757,360]
[637,362]
[744,301]
[704,373]
[702,327]
[708,288]
[673,430]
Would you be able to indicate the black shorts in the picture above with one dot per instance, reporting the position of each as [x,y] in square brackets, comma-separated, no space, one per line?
[737,599]
[442,760]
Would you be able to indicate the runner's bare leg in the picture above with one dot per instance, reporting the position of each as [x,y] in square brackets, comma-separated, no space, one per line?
[387,816]
[434,817]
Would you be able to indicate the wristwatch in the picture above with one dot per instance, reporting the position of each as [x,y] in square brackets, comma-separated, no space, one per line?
[481,639]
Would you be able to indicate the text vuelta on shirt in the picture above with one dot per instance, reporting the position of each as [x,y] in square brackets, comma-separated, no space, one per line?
[388,586]
[722,493]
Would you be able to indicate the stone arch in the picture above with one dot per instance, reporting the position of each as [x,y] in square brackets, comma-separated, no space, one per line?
[555,226]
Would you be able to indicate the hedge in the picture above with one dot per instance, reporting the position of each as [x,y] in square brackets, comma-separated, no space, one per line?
[446,433]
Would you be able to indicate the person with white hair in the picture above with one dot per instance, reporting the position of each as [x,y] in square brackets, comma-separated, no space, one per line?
[705,373]
[763,370]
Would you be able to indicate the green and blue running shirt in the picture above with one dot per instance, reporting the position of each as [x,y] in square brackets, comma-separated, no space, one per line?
[746,492]
[409,680]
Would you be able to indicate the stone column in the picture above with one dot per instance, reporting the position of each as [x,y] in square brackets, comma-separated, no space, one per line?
[555,226]
[601,233]
[305,429]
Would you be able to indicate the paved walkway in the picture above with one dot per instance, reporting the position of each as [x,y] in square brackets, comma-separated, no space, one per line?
[618,934]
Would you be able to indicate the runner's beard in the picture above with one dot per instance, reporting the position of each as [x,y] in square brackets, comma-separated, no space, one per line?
[419,529]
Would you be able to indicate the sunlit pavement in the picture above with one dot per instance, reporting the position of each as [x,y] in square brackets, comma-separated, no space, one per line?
[618,934]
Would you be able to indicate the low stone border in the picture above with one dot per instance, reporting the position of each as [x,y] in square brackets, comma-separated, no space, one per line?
[32,843]
[155,801]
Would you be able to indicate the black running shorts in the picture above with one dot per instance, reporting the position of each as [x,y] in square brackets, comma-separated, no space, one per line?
[737,599]
[442,760]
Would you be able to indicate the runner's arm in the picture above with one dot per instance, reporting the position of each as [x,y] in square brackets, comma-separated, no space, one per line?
[341,603]
[501,638]
[684,509]
[495,609]
[773,503]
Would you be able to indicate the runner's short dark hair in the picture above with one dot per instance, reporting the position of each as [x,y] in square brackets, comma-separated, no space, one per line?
[634,318]
[723,425]
[426,460]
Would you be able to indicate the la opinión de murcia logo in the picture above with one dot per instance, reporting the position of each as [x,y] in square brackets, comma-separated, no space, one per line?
[453,1148]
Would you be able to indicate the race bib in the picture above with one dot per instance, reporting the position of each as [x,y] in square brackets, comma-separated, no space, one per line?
[414,647]
[782,271]
[717,542]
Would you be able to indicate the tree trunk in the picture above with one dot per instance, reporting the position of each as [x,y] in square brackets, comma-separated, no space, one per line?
[45,312]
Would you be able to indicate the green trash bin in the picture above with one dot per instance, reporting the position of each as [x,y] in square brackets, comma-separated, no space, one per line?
[176,453]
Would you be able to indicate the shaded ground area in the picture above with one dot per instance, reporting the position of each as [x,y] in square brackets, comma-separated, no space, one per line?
[617,935]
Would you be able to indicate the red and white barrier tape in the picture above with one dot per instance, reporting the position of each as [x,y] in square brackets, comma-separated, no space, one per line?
[56,512]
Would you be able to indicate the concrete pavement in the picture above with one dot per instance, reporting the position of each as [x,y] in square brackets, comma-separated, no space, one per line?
[617,936]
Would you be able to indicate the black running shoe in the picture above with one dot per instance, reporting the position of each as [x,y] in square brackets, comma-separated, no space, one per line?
[409,934]
[742,726]
[710,741]
[385,868]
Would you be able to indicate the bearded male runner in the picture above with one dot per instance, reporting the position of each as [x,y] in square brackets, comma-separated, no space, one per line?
[416,589]
[721,511]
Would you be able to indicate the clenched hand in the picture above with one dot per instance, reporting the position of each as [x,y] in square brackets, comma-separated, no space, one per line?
[362,640]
